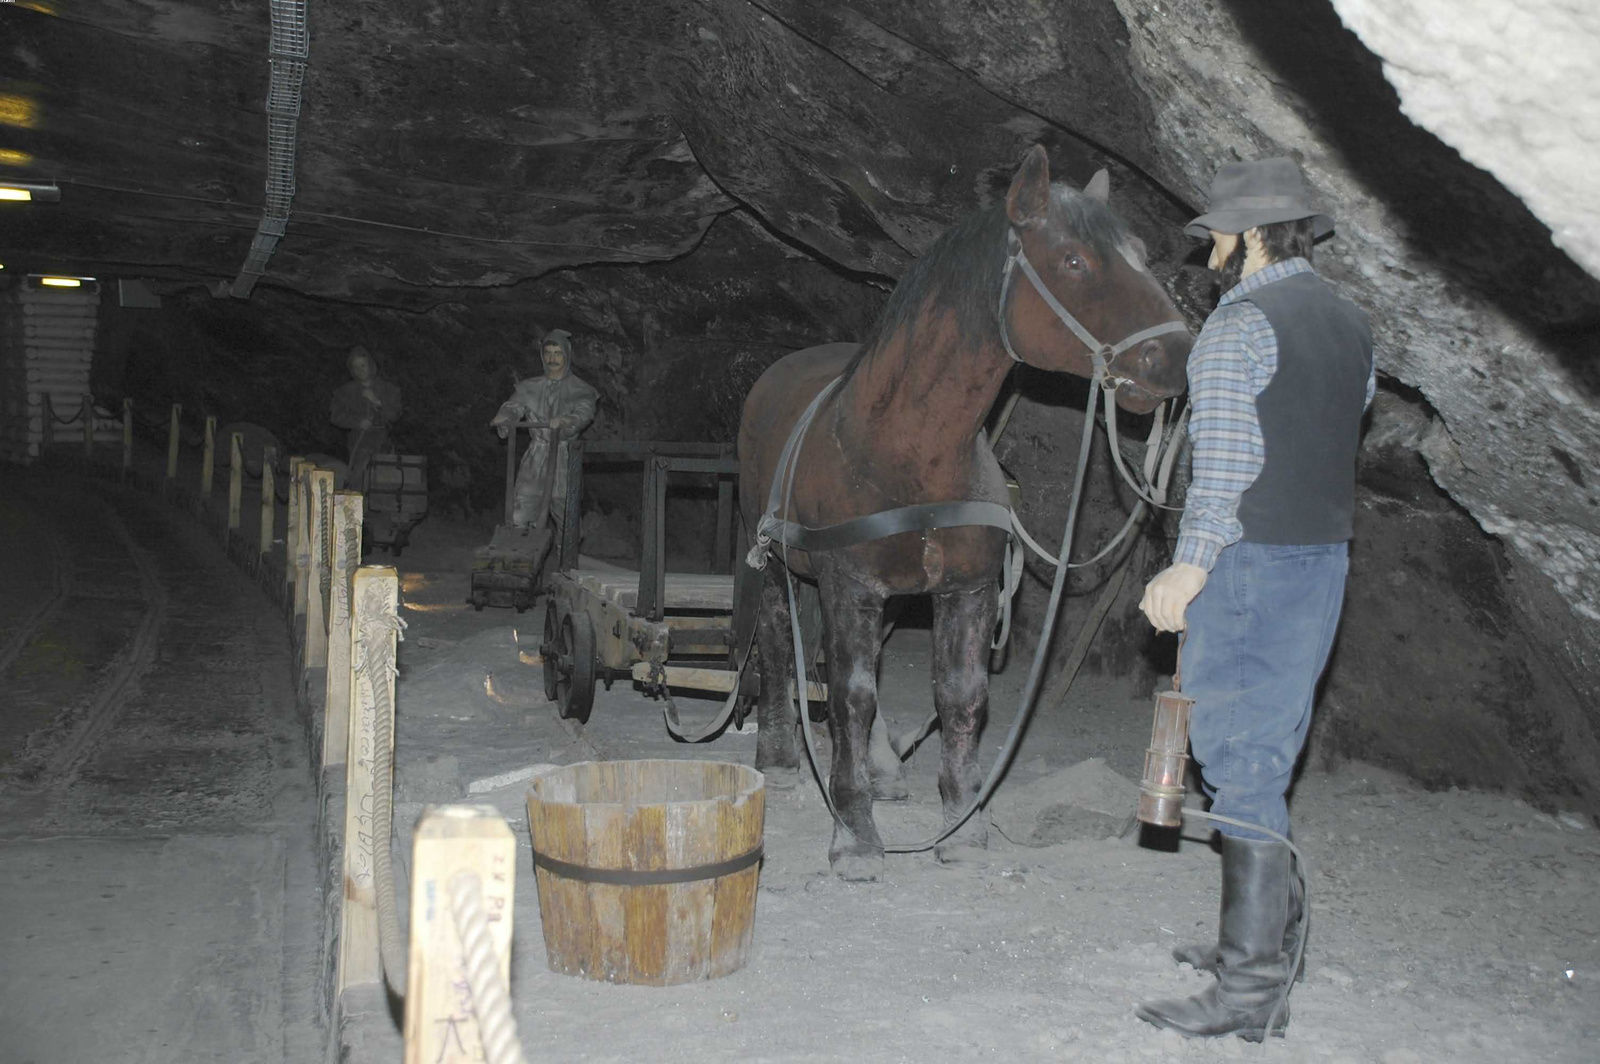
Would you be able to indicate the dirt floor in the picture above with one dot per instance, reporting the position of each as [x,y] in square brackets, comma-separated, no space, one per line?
[1459,925]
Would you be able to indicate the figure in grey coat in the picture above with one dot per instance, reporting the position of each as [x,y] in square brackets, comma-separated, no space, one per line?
[566,404]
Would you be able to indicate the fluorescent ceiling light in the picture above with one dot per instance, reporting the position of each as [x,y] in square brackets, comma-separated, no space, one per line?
[24,191]
[61,282]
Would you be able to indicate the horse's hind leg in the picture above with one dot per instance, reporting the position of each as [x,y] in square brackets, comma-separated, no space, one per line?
[854,640]
[777,749]
[962,623]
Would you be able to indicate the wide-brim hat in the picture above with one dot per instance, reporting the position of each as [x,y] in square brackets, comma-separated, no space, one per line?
[1244,195]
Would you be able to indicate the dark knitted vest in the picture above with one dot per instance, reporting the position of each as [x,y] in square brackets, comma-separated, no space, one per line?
[1310,415]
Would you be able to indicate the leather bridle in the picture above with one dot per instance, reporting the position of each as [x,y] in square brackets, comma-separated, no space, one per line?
[1102,355]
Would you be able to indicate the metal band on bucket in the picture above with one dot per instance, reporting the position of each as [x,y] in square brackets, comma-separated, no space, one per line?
[627,877]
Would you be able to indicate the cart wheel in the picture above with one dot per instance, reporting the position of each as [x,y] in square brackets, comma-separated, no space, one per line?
[569,664]
[550,651]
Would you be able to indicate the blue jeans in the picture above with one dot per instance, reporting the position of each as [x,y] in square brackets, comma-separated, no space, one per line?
[1259,634]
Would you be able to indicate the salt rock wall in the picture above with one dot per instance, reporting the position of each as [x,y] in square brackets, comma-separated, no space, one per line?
[1502,344]
[1511,87]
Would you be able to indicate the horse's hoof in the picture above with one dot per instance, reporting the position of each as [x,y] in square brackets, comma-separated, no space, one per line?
[890,789]
[781,779]
[961,855]
[857,867]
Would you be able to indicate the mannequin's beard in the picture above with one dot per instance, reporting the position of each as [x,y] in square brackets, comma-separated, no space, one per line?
[1232,271]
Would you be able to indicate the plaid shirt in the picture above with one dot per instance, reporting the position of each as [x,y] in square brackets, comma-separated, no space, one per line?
[1233,360]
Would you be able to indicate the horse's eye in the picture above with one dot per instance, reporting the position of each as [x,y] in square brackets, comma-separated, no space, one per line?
[1075,263]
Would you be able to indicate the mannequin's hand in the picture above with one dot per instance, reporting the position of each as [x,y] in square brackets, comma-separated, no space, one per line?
[1169,594]
[501,429]
[560,423]
[365,423]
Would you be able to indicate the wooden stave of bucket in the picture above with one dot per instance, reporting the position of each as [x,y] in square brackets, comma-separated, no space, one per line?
[653,935]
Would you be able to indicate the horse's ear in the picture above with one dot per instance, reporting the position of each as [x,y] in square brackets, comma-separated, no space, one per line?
[1028,202]
[1099,186]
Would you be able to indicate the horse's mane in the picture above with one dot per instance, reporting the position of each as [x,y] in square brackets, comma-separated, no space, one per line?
[962,269]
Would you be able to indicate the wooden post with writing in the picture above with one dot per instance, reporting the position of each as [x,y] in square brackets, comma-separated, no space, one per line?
[235,481]
[441,1024]
[319,527]
[347,513]
[374,596]
[127,436]
[172,445]
[208,458]
[269,499]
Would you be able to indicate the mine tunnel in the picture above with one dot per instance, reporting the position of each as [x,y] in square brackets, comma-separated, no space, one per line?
[404,462]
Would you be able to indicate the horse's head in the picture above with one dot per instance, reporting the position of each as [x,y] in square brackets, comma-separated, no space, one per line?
[1077,252]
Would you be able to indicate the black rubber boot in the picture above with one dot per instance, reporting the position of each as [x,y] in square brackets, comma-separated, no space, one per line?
[1203,957]
[1252,968]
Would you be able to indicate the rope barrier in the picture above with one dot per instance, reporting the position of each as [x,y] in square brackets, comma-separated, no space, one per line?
[497,1028]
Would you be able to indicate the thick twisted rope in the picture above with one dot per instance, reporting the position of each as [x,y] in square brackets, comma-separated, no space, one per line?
[326,534]
[497,1028]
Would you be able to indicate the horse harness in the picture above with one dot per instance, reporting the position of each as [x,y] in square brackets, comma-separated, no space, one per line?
[922,517]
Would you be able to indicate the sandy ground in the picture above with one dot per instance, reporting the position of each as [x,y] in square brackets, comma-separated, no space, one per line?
[157,874]
[1459,926]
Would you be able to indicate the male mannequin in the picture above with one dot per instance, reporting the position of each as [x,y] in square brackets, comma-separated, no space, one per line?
[366,405]
[564,403]
[1278,381]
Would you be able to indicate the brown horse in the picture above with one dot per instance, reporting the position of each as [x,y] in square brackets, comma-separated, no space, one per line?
[904,427]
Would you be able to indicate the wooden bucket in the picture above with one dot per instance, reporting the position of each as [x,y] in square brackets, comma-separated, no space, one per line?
[647,870]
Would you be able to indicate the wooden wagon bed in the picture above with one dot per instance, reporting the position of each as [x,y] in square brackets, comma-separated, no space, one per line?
[684,591]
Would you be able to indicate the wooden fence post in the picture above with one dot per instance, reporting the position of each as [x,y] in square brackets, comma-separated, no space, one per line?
[208,458]
[441,1023]
[374,596]
[127,436]
[88,430]
[235,480]
[347,513]
[172,445]
[298,478]
[269,499]
[319,526]
[291,540]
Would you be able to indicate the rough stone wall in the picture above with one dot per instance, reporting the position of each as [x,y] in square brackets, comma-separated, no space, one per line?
[1503,350]
[1511,86]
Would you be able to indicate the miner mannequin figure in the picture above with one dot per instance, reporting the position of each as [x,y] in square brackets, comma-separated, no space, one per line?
[1279,380]
[366,405]
[564,403]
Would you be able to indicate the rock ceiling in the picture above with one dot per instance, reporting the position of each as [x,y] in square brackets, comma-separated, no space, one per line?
[447,149]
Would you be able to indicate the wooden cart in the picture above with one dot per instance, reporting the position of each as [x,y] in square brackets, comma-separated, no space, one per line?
[659,628]
[396,499]
[507,571]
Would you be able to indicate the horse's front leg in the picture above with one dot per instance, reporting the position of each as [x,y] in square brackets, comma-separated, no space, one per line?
[777,748]
[854,615]
[962,624]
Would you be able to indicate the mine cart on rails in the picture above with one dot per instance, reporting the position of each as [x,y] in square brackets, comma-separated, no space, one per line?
[396,489]
[507,572]
[662,629]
